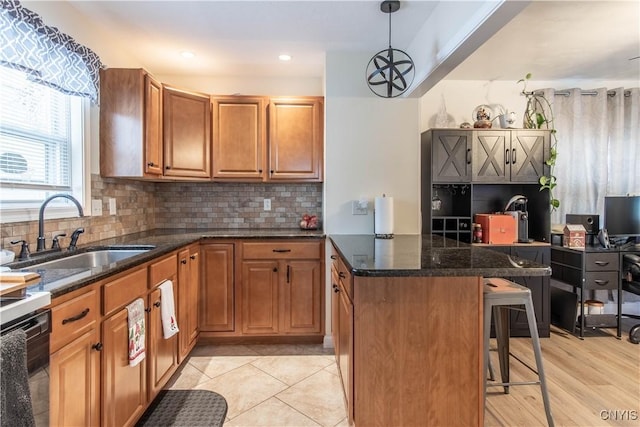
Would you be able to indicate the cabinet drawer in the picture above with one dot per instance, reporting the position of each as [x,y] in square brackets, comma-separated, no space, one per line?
[162,270]
[346,281]
[601,262]
[281,250]
[73,318]
[601,280]
[119,292]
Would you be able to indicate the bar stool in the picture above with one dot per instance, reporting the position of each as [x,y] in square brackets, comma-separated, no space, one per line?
[500,295]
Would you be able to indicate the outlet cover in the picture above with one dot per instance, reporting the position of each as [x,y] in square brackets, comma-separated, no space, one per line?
[360,207]
[112,206]
[96,207]
[267,204]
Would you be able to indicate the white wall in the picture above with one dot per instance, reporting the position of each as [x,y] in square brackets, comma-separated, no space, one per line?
[462,96]
[371,148]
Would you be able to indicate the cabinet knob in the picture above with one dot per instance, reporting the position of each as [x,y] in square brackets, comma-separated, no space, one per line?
[151,164]
[334,257]
[97,346]
[183,261]
[167,167]
[148,310]
[156,304]
[271,171]
[259,170]
[336,289]
[192,257]
[342,275]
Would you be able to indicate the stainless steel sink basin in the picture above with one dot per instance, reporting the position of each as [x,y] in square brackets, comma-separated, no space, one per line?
[92,259]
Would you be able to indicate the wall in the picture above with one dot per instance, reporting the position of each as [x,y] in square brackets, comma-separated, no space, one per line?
[371,148]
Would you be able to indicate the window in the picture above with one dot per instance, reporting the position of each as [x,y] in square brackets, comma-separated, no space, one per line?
[41,147]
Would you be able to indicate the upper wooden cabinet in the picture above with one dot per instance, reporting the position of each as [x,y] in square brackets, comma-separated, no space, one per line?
[295,139]
[130,124]
[291,150]
[239,137]
[187,134]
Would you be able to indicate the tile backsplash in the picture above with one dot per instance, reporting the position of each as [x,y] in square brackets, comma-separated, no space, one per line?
[146,205]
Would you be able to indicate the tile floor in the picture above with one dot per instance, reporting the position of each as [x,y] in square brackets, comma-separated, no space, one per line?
[268,385]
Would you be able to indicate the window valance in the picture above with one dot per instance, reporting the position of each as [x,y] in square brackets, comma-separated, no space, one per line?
[47,55]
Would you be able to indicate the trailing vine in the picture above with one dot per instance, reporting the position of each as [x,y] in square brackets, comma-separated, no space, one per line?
[535,117]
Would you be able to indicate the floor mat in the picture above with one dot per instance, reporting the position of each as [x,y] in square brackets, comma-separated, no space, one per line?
[188,408]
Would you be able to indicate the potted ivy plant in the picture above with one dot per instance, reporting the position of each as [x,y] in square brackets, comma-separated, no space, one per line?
[538,114]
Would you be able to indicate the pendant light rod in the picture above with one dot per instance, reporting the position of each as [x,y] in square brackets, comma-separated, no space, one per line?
[390,6]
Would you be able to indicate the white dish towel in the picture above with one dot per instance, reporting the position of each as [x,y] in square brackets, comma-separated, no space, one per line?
[136,324]
[168,310]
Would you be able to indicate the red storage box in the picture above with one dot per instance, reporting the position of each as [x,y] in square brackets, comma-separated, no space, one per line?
[497,229]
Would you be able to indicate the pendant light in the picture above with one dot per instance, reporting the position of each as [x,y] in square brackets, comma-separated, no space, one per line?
[390,72]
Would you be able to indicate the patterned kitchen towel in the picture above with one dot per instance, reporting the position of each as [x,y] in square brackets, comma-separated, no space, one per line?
[137,331]
[167,310]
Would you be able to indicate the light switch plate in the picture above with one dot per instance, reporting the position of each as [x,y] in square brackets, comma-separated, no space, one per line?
[112,206]
[96,207]
[360,207]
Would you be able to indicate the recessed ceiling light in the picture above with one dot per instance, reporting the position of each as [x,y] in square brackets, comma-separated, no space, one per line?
[284,57]
[187,54]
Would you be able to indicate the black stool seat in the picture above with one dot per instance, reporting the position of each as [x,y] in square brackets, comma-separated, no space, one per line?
[188,408]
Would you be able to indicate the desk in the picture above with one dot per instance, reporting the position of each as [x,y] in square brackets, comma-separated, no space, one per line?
[587,269]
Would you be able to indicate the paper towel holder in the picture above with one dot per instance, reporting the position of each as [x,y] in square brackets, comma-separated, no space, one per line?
[381,235]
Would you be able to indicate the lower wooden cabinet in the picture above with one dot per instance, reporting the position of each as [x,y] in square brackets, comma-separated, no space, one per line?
[124,388]
[217,296]
[281,288]
[188,288]
[75,382]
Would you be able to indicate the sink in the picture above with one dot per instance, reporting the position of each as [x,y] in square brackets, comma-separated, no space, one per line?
[91,259]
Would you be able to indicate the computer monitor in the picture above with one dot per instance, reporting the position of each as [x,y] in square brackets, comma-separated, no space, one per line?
[622,216]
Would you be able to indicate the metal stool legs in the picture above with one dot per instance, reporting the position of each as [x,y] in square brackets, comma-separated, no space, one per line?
[498,302]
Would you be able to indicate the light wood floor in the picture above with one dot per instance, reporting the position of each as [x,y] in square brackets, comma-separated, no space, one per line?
[591,382]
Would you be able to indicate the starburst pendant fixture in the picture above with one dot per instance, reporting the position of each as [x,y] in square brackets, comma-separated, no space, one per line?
[390,72]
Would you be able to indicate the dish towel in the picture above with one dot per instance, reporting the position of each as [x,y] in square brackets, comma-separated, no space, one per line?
[135,318]
[15,405]
[167,310]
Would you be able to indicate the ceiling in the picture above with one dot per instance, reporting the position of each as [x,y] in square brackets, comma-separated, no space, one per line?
[555,40]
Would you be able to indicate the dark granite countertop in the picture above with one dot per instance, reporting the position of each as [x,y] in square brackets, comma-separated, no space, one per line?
[162,241]
[428,255]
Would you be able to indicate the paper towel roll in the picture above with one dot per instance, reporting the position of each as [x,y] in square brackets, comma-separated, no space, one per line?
[383,216]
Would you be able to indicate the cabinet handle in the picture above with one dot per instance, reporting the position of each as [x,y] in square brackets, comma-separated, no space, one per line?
[513,156]
[97,346]
[288,272]
[333,257]
[282,250]
[468,156]
[156,304]
[148,309]
[151,164]
[506,156]
[192,257]
[183,261]
[601,282]
[601,263]
[76,317]
[342,275]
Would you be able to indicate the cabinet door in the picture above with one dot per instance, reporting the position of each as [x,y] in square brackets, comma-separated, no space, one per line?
[491,156]
[345,348]
[260,297]
[217,302]
[152,126]
[239,137]
[301,296]
[295,139]
[187,134]
[451,151]
[74,387]
[529,151]
[188,276]
[124,388]
[162,353]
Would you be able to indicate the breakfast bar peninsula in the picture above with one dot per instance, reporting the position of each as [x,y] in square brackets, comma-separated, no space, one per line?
[407,318]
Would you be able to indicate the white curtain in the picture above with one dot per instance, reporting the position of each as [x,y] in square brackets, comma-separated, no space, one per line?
[598,133]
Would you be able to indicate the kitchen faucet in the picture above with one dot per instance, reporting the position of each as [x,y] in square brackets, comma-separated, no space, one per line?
[41,238]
